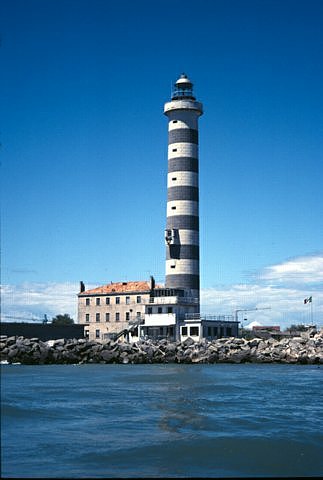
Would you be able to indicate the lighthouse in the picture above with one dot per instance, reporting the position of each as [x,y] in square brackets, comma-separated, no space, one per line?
[182,226]
[141,309]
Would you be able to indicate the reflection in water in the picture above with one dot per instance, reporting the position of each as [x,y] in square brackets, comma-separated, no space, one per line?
[183,411]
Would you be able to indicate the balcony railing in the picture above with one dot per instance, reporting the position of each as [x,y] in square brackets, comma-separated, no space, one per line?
[182,93]
[137,321]
[212,318]
[171,300]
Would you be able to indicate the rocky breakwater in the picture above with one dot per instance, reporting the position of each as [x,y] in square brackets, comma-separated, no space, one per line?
[306,349]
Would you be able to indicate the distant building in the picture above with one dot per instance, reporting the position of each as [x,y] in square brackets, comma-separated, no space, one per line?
[264,328]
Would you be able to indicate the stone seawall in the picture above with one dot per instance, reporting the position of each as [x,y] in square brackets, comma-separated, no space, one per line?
[306,349]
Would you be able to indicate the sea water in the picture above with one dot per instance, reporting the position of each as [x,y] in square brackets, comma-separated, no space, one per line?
[171,420]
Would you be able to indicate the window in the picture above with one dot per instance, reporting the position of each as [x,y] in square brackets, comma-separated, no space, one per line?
[87,317]
[127,316]
[229,331]
[127,300]
[107,317]
[97,301]
[138,315]
[139,299]
[160,310]
[209,331]
[117,317]
[97,333]
[169,309]
[117,300]
[172,266]
[107,301]
[150,310]
[174,149]
[87,301]
[174,208]
[174,178]
[97,317]
[194,331]
[174,121]
[184,331]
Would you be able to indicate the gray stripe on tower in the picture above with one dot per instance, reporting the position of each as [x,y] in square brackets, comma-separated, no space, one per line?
[183,164]
[182,250]
[184,281]
[182,135]
[185,222]
[182,193]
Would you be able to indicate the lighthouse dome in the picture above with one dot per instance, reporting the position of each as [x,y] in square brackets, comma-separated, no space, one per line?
[183,79]
[183,88]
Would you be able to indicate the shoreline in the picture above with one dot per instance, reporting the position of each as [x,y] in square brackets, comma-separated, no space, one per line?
[305,349]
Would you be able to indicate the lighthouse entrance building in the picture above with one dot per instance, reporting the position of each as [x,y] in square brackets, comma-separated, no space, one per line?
[134,310]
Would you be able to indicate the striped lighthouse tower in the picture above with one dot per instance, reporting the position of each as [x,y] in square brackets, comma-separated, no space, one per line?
[182,229]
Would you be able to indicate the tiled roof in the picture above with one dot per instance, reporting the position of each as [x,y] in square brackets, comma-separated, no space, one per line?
[119,287]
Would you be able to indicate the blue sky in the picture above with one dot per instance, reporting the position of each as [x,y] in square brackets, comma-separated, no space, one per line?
[84,149]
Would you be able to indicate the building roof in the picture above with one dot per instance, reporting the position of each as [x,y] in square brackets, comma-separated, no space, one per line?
[119,287]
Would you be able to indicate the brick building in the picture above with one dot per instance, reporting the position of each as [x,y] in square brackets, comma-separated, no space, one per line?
[111,308]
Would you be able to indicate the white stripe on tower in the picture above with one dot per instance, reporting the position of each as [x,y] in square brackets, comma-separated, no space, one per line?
[188,179]
[182,230]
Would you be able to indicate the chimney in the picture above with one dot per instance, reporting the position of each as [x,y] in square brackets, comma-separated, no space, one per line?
[152,282]
[82,287]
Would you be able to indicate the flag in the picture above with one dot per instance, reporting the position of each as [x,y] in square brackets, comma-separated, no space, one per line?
[308,300]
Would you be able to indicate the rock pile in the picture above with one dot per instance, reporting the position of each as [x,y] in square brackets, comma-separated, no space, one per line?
[306,349]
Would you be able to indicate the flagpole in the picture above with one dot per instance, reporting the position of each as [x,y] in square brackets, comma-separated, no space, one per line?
[310,300]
